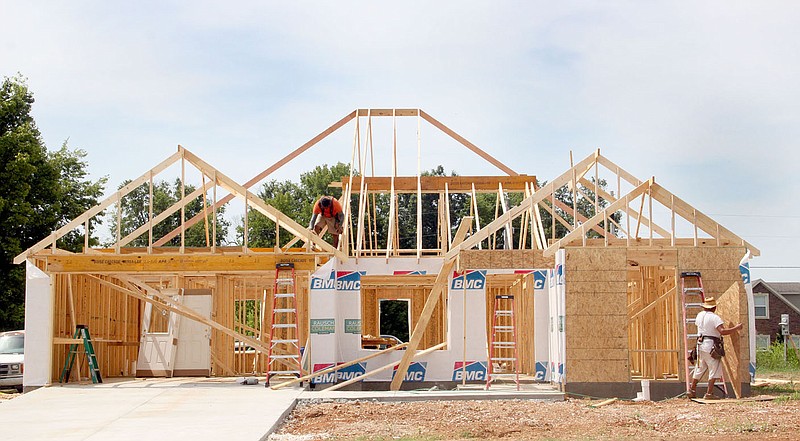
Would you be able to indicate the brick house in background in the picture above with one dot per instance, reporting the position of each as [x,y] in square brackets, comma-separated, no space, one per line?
[771,300]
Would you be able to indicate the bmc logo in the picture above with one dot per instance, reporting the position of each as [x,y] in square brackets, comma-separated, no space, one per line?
[351,372]
[473,371]
[410,273]
[541,371]
[538,279]
[343,374]
[745,270]
[416,371]
[328,378]
[341,281]
[470,280]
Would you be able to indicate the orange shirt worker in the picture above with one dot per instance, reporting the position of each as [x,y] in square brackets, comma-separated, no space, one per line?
[328,212]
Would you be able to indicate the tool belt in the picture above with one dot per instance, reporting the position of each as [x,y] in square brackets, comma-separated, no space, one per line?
[718,350]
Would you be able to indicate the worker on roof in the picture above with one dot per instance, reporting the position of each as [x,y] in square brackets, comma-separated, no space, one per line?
[710,350]
[332,217]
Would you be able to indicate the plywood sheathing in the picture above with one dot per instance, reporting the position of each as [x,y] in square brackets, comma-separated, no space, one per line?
[596,315]
[503,259]
[721,279]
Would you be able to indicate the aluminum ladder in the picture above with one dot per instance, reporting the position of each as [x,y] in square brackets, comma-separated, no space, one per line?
[503,354]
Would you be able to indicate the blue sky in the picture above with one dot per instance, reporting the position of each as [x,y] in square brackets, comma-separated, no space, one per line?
[702,96]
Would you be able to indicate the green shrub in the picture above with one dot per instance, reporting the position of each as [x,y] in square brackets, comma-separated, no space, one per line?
[772,358]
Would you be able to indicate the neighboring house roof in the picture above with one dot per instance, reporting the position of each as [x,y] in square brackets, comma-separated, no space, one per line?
[787,292]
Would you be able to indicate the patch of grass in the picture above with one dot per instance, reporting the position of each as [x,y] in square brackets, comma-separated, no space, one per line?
[772,359]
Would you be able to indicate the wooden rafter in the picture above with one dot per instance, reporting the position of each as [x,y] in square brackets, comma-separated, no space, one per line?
[97,209]
[267,210]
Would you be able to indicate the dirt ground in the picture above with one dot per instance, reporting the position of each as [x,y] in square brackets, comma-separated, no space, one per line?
[567,420]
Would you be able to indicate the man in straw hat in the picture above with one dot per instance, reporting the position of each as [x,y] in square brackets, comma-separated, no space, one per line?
[709,327]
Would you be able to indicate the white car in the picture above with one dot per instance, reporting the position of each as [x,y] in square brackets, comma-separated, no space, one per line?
[12,354]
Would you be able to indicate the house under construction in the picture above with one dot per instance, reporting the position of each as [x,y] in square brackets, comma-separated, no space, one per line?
[594,306]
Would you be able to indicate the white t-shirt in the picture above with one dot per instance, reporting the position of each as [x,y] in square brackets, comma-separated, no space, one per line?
[707,323]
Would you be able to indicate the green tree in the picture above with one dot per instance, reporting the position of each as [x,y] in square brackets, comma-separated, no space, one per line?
[39,192]
[136,211]
[294,200]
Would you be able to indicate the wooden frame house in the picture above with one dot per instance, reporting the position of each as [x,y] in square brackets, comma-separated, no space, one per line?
[597,299]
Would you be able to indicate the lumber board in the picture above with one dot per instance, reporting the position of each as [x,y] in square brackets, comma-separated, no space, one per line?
[388,112]
[489,158]
[401,280]
[386,367]
[177,263]
[337,367]
[436,184]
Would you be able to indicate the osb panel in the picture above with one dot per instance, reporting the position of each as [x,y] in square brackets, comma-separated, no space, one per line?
[594,303]
[599,354]
[504,259]
[728,305]
[571,276]
[698,259]
[614,326]
[592,342]
[585,259]
[594,286]
[644,257]
[597,371]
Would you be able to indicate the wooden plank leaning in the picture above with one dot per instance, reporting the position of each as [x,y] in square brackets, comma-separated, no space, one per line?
[336,368]
[387,367]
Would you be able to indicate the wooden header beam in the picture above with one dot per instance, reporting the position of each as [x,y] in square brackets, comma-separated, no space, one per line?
[174,263]
[435,184]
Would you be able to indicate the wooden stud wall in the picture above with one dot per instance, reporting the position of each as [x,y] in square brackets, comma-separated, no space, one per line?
[596,315]
[521,287]
[225,359]
[370,310]
[113,319]
[655,331]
